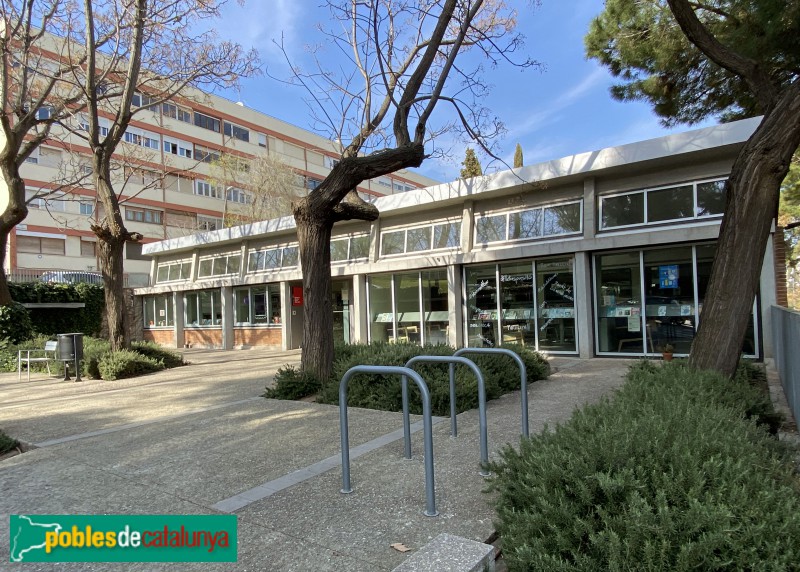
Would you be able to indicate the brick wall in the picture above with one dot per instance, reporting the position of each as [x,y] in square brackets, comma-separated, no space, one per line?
[781,292]
[203,337]
[165,338]
[247,337]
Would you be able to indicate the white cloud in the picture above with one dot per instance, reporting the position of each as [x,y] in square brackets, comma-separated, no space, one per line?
[257,23]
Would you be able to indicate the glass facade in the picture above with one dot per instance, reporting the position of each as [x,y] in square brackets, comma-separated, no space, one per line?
[203,308]
[257,305]
[158,311]
[649,299]
[409,307]
[534,305]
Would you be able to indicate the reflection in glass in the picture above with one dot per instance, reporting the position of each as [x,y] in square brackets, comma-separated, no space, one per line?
[359,247]
[291,256]
[562,219]
[407,308]
[393,242]
[555,296]
[158,311]
[482,306]
[525,224]
[518,312]
[622,210]
[670,204]
[418,239]
[447,235]
[380,308]
[339,249]
[340,303]
[434,306]
[619,303]
[710,198]
[490,228]
[669,299]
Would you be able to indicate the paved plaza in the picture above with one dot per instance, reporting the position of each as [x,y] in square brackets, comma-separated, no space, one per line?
[200,440]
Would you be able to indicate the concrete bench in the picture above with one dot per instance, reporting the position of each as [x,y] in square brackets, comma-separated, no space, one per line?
[450,553]
[27,358]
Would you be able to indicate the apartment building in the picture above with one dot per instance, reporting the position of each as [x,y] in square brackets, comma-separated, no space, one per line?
[167,181]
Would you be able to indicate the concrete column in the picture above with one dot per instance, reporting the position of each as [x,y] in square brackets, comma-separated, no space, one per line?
[375,241]
[589,209]
[768,299]
[180,319]
[584,320]
[360,317]
[286,316]
[467,226]
[227,317]
[455,309]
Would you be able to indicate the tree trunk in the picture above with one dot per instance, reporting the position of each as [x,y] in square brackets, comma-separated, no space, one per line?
[111,259]
[752,202]
[14,213]
[314,235]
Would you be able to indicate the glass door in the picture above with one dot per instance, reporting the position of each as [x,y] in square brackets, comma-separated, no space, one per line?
[619,303]
[555,299]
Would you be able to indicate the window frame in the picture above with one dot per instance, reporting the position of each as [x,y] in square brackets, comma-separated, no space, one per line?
[542,237]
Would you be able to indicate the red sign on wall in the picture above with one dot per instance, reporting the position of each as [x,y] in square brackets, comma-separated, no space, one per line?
[297,295]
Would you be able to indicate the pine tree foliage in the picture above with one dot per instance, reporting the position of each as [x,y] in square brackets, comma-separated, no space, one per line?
[518,161]
[471,166]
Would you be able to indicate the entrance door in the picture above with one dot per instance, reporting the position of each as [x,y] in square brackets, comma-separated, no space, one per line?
[296,315]
[340,303]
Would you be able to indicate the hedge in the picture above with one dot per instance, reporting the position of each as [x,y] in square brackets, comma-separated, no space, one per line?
[670,474]
[501,375]
[51,321]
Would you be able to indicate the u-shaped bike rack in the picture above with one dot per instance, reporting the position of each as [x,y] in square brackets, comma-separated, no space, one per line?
[452,361]
[522,372]
[404,372]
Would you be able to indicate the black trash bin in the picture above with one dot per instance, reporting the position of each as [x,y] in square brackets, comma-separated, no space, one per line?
[70,350]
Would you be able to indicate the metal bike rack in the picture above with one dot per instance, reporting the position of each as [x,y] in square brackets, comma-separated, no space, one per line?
[427,425]
[452,361]
[522,372]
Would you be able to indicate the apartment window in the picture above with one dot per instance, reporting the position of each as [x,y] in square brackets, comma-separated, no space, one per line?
[45,112]
[238,196]
[330,162]
[143,100]
[176,112]
[312,184]
[45,201]
[664,204]
[86,208]
[143,215]
[178,147]
[206,189]
[206,155]
[206,122]
[262,140]
[220,265]
[133,251]
[172,271]
[540,222]
[143,177]
[236,132]
[33,157]
[420,239]
[89,248]
[142,138]
[207,223]
[40,245]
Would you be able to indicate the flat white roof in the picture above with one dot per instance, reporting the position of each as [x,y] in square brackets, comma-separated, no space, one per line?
[581,164]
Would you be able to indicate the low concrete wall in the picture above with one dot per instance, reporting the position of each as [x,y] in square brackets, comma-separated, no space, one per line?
[786,337]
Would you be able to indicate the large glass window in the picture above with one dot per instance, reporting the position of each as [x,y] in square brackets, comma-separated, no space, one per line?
[624,210]
[170,271]
[421,239]
[203,308]
[482,310]
[158,311]
[518,307]
[407,307]
[555,299]
[671,309]
[670,204]
[434,306]
[619,303]
[257,305]
[538,222]
[710,198]
[380,309]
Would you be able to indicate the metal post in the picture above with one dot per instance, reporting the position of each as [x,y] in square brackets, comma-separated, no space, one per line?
[406,419]
[451,370]
[452,361]
[427,425]
[522,372]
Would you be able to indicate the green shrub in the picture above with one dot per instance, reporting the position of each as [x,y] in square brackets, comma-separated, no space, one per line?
[292,383]
[9,353]
[126,363]
[384,392]
[93,351]
[6,443]
[667,476]
[15,323]
[170,358]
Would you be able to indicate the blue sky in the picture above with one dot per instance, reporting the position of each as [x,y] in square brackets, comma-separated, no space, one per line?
[563,109]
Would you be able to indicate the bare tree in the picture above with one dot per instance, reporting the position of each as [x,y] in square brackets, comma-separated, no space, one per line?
[404,60]
[154,52]
[260,187]
[35,96]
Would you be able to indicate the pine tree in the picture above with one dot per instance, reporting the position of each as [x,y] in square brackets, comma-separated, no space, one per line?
[518,156]
[471,165]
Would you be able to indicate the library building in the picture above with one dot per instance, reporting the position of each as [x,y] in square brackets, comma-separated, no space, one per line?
[604,253]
